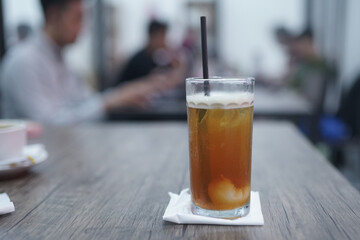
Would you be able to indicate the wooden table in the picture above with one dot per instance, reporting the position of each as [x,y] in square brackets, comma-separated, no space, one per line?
[160,110]
[111,182]
[281,103]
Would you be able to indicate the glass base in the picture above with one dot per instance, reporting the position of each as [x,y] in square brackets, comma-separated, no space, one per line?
[229,214]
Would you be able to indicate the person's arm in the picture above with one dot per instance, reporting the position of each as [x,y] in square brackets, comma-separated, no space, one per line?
[34,97]
[136,93]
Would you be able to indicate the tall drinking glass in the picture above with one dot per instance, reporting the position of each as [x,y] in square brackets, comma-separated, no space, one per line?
[220,119]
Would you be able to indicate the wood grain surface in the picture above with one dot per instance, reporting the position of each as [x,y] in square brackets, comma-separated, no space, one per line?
[110,181]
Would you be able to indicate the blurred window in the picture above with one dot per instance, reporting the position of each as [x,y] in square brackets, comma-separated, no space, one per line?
[20,17]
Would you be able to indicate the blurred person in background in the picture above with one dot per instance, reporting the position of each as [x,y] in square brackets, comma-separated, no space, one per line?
[156,56]
[310,66]
[307,71]
[284,38]
[36,83]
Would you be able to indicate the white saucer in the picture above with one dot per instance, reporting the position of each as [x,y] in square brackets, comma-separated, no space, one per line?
[32,155]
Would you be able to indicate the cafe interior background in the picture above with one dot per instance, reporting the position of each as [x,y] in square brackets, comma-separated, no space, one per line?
[244,39]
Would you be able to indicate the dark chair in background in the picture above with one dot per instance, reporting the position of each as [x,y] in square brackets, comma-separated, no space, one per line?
[349,110]
[349,113]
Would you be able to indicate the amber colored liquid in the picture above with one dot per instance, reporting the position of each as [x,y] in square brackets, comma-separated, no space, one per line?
[220,157]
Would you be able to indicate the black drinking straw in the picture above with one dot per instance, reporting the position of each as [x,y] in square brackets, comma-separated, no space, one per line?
[205,56]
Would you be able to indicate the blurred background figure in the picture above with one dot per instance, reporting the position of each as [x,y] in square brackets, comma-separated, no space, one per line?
[311,71]
[155,56]
[285,38]
[37,84]
[307,72]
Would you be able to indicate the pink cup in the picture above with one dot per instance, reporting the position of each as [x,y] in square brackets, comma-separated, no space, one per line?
[12,139]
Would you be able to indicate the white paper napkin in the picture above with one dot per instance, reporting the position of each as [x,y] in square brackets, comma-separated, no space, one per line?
[179,211]
[6,206]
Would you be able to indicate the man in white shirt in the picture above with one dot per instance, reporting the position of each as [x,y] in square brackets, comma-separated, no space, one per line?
[36,83]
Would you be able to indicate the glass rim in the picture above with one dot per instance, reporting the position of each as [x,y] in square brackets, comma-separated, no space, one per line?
[219,79]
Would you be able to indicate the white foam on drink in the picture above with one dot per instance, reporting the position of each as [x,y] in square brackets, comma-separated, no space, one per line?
[220,100]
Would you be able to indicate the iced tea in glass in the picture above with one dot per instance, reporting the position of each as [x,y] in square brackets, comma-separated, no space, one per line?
[220,119]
